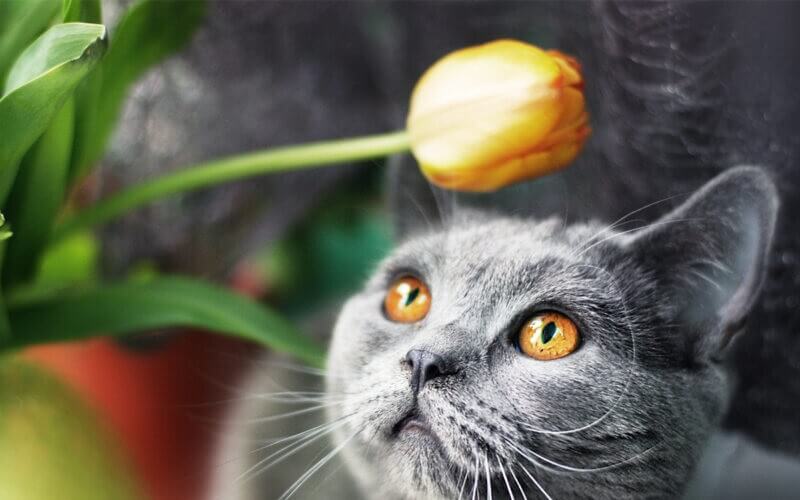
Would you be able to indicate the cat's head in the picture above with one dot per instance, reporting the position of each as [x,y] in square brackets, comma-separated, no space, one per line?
[451,400]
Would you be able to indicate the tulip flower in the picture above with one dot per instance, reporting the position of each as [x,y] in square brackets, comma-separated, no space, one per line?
[480,119]
[485,117]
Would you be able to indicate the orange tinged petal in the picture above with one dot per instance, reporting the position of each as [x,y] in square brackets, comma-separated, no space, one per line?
[487,116]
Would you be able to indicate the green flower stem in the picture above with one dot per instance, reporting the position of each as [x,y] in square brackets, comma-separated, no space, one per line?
[282,159]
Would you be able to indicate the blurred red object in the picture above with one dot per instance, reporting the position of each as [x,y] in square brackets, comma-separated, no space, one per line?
[166,404]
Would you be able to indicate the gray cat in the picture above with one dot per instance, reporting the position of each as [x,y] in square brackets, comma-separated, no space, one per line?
[449,404]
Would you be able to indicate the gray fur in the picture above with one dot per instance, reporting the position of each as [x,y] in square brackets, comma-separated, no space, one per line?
[647,387]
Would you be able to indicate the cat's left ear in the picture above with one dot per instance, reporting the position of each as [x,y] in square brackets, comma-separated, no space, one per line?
[709,256]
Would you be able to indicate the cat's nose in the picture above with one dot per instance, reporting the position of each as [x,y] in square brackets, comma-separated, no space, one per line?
[425,366]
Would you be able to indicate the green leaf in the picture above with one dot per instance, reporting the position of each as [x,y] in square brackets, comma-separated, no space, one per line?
[148,32]
[164,302]
[59,45]
[87,95]
[87,102]
[84,11]
[71,264]
[5,232]
[37,195]
[20,22]
[40,82]
[73,261]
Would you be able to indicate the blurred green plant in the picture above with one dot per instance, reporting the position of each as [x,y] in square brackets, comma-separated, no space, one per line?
[331,252]
[64,82]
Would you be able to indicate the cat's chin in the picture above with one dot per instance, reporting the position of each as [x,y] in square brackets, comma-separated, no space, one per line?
[410,457]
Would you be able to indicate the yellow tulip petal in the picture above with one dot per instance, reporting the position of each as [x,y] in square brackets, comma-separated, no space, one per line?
[573,107]
[570,68]
[514,170]
[483,101]
[487,116]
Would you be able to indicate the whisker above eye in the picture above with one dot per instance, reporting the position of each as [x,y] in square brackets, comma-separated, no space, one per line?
[586,248]
[625,217]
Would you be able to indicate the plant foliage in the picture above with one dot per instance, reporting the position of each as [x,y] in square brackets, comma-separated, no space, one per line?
[64,81]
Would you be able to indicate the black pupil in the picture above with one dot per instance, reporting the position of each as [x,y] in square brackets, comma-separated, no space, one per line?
[548,331]
[412,295]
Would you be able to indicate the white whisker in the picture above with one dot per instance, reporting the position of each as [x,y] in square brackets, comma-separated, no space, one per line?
[308,370]
[304,440]
[488,477]
[293,397]
[578,469]
[475,482]
[516,480]
[304,411]
[702,275]
[525,470]
[625,217]
[622,233]
[463,483]
[505,477]
[321,463]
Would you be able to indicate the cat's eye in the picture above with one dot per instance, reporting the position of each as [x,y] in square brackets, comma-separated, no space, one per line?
[548,335]
[407,301]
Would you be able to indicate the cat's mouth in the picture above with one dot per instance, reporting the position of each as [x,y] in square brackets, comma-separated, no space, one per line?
[413,421]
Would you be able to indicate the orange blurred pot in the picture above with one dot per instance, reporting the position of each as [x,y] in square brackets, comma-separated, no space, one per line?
[166,405]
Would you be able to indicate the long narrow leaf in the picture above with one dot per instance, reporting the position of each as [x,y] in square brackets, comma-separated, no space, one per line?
[38,84]
[37,195]
[148,32]
[164,302]
[20,22]
[39,189]
[87,95]
[82,11]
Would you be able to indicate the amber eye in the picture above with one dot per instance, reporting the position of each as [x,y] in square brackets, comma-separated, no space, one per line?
[549,335]
[407,301]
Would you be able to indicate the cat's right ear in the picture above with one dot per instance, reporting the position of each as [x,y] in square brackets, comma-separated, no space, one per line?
[709,256]
[415,206]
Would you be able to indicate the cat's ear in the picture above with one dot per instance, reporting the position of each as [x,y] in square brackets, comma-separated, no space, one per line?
[413,203]
[709,256]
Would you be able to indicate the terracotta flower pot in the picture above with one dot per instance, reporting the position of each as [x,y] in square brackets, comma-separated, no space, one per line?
[165,405]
